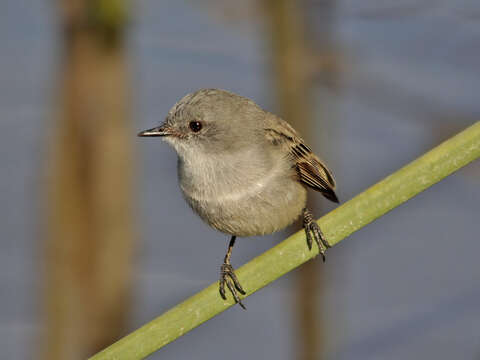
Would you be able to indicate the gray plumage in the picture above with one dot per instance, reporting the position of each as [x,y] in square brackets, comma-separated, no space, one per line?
[243,170]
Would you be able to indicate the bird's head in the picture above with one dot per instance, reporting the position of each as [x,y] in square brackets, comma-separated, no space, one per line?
[210,121]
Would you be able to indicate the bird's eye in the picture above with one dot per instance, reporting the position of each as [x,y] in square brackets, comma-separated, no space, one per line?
[195,126]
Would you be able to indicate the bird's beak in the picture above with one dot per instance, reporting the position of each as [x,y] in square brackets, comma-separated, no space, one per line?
[157,131]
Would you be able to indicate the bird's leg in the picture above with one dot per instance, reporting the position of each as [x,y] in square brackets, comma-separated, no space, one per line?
[228,277]
[313,232]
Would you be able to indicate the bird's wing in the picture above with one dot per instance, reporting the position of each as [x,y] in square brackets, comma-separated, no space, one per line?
[310,169]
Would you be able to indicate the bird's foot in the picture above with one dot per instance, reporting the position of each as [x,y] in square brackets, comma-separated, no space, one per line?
[313,232]
[228,277]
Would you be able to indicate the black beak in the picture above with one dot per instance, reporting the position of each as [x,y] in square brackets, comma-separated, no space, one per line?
[157,131]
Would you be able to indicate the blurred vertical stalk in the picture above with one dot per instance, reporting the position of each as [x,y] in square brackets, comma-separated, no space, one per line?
[296,66]
[89,246]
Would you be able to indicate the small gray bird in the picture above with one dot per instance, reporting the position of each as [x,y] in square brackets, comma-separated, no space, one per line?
[243,170]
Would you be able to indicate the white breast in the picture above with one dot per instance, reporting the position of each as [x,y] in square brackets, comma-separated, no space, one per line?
[242,194]
[227,178]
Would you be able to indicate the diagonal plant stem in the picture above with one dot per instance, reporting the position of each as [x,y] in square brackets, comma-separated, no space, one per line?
[382,197]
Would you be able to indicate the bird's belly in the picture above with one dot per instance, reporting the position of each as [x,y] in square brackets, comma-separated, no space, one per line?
[248,214]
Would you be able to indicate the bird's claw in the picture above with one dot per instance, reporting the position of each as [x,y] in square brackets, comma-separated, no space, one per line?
[228,277]
[313,232]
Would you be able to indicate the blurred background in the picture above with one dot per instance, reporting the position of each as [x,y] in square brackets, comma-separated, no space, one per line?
[97,240]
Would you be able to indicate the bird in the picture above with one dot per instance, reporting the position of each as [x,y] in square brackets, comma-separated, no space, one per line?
[243,170]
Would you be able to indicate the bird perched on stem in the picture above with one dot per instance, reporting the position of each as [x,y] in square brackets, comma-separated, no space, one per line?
[243,170]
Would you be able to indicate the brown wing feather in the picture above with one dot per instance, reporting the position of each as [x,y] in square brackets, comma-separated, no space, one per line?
[310,169]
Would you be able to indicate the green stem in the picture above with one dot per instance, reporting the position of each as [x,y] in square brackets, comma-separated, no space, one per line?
[292,252]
